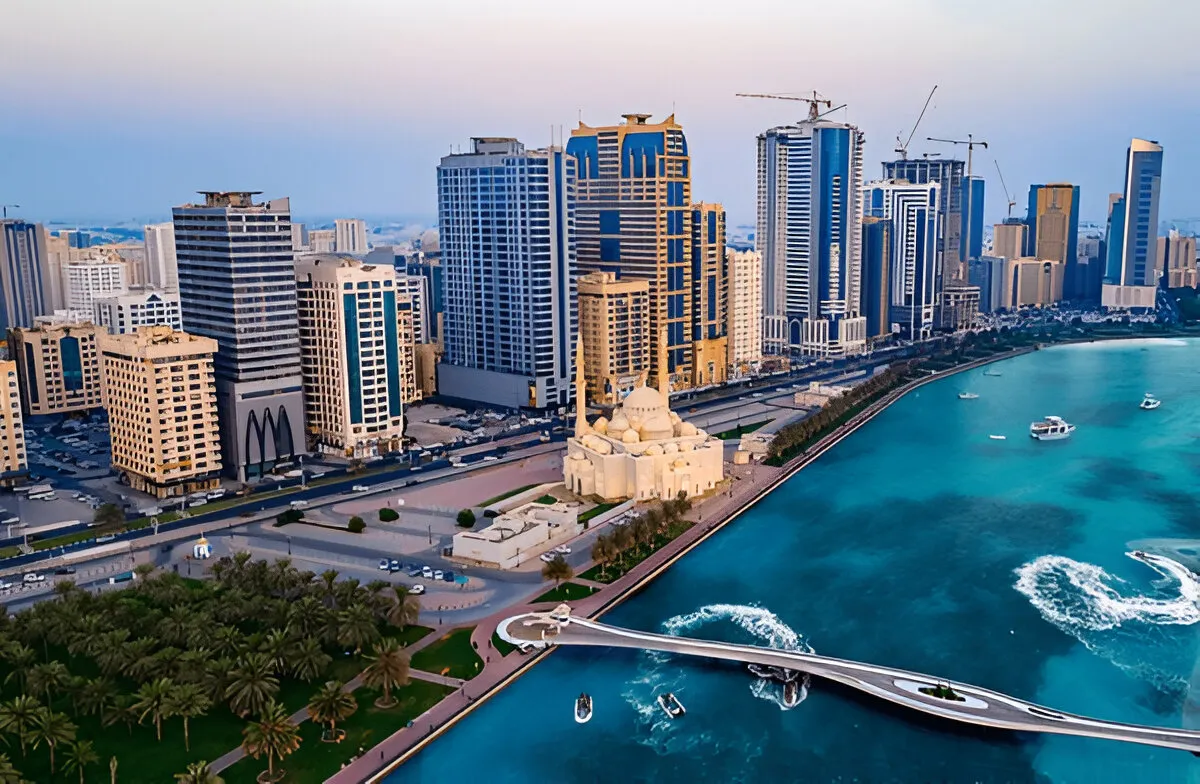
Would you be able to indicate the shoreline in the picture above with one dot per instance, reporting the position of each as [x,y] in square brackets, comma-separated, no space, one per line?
[685,544]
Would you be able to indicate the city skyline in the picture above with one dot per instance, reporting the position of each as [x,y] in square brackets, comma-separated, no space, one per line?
[129,149]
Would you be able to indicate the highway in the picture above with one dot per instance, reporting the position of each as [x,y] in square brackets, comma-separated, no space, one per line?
[975,705]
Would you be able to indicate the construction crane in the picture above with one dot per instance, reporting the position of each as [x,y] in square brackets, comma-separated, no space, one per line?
[814,104]
[971,143]
[1007,195]
[902,149]
[4,209]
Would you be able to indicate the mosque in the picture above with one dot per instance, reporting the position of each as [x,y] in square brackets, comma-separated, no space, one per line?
[645,452]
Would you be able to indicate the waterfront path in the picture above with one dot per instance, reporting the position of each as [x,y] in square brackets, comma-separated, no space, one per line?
[974,705]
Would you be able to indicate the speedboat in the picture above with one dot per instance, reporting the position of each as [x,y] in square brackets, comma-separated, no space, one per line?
[1051,428]
[998,438]
[1149,402]
[767,672]
[583,709]
[967,396]
[791,694]
[990,373]
[671,705]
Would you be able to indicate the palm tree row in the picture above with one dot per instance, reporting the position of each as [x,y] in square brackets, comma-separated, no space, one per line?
[641,531]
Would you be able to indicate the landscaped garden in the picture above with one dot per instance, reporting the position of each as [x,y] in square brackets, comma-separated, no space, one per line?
[502,496]
[740,430]
[452,656]
[627,545]
[567,592]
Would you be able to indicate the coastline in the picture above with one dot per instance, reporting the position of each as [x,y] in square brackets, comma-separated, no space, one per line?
[654,567]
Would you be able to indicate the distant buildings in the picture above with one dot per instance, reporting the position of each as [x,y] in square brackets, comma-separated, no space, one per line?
[744,311]
[14,462]
[162,268]
[237,284]
[350,355]
[350,236]
[710,345]
[1177,258]
[1030,282]
[878,247]
[1053,221]
[634,218]
[299,237]
[987,274]
[1132,272]
[810,235]
[614,325]
[322,240]
[138,308]
[58,366]
[86,280]
[162,410]
[22,272]
[1010,239]
[916,225]
[506,217]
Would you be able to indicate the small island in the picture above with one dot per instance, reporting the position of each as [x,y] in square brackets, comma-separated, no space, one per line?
[943,692]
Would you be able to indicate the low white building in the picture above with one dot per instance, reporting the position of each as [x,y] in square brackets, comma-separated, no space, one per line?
[145,308]
[519,534]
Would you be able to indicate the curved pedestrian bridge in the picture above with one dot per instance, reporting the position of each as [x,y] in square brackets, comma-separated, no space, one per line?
[960,701]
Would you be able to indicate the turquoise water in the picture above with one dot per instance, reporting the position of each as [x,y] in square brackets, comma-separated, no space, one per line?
[919,543]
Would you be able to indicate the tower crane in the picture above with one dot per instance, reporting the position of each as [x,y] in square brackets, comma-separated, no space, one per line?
[1007,195]
[971,143]
[902,148]
[814,104]
[4,209]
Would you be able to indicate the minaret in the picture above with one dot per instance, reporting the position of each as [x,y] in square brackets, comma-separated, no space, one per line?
[581,423]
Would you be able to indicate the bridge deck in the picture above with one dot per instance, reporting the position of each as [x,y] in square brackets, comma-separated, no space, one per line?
[978,706]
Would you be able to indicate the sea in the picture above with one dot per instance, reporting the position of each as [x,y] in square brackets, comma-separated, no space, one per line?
[922,543]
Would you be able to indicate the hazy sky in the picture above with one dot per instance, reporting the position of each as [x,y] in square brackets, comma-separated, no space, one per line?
[121,108]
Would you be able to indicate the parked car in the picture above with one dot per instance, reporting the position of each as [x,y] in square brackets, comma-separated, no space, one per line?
[361,488]
[33,577]
[437,574]
[384,564]
[547,557]
[426,572]
[394,566]
[417,589]
[414,571]
[563,549]
[65,570]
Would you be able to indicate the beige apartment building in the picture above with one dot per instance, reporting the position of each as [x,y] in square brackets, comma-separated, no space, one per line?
[614,324]
[13,461]
[162,410]
[1177,260]
[745,311]
[58,366]
[1009,239]
[350,334]
[1032,283]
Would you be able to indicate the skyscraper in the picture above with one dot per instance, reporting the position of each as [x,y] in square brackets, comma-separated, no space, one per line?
[162,269]
[877,271]
[1053,221]
[1132,273]
[987,274]
[1010,239]
[916,224]
[22,272]
[634,219]
[350,236]
[614,327]
[140,308]
[745,309]
[14,462]
[87,280]
[237,283]
[1177,260]
[58,366]
[507,225]
[810,236]
[951,175]
[709,340]
[972,230]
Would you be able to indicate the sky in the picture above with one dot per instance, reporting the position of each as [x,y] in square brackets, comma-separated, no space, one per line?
[117,110]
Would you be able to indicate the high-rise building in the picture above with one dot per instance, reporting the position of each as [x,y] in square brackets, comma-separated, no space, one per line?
[299,237]
[987,274]
[322,240]
[972,230]
[350,236]
[87,280]
[614,325]
[237,284]
[876,274]
[710,346]
[58,366]
[1133,273]
[138,308]
[22,272]
[951,175]
[1177,260]
[810,235]
[1035,283]
[634,219]
[350,350]
[506,217]
[913,210]
[1053,221]
[162,269]
[14,462]
[417,288]
[1010,239]
[744,311]
[162,410]
[406,347]
[433,289]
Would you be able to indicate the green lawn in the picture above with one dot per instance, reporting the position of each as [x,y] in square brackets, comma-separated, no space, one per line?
[567,592]
[635,555]
[502,646]
[598,509]
[502,496]
[740,430]
[547,499]
[452,652]
[315,761]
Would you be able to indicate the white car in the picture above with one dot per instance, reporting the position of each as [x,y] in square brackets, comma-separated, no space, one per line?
[490,458]
[34,577]
[5,586]
[384,565]
[427,573]
[437,574]
[547,557]
[416,590]
[562,549]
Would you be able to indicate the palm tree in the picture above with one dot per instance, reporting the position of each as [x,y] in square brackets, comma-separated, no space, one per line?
[308,660]
[356,627]
[331,704]
[17,715]
[227,641]
[120,709]
[603,552]
[79,756]
[110,652]
[307,617]
[276,645]
[199,773]
[51,728]
[20,659]
[153,699]
[218,674]
[96,695]
[622,538]
[190,666]
[253,685]
[388,669]
[405,608]
[273,734]
[329,577]
[176,627]
[557,570]
[9,774]
[187,701]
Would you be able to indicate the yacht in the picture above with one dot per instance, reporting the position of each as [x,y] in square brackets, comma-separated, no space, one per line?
[583,709]
[1149,402]
[967,396]
[990,373]
[1051,428]
[671,705]
[998,438]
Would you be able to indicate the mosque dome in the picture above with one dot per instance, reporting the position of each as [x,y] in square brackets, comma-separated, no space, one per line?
[654,450]
[687,429]
[630,437]
[644,400]
[686,446]
[670,448]
[618,425]
[657,427]
[600,425]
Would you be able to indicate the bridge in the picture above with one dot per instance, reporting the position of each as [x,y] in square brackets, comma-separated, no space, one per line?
[959,701]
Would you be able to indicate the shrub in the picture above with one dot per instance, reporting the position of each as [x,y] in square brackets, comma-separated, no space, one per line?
[287,518]
[466,518]
[357,525]
[387,515]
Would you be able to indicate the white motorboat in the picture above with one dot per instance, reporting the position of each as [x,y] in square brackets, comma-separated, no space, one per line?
[967,396]
[583,709]
[791,693]
[671,705]
[1149,402]
[998,438]
[1051,428]
[990,373]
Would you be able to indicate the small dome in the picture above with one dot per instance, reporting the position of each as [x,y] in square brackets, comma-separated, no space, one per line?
[657,427]
[630,437]
[687,429]
[600,425]
[602,447]
[202,540]
[645,399]
[618,425]
[670,448]
[654,450]
[686,446]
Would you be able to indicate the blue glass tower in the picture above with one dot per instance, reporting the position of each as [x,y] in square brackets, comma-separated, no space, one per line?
[876,273]
[22,265]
